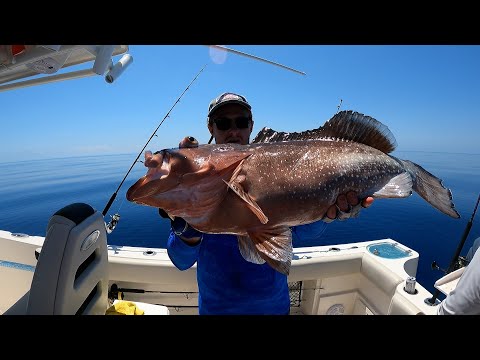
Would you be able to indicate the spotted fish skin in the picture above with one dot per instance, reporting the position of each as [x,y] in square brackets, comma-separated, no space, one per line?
[258,191]
[296,182]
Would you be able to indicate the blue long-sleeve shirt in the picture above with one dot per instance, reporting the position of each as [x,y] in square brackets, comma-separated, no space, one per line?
[227,283]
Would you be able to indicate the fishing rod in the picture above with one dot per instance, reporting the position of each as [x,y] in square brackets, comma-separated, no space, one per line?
[455,258]
[256,58]
[116,217]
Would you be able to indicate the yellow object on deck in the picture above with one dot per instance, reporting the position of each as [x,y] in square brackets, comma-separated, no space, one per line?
[124,308]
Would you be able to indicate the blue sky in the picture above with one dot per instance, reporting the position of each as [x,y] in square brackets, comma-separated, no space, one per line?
[428,96]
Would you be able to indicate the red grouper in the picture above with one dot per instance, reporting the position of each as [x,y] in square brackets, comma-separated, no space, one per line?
[258,191]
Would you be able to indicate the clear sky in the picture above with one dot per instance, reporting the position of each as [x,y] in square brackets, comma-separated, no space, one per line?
[428,96]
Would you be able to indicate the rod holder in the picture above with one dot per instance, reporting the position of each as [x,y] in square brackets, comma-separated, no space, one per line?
[118,69]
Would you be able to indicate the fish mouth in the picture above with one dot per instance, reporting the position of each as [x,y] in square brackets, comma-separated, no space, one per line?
[153,181]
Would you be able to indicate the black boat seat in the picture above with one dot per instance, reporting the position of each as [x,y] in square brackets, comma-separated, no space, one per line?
[71,275]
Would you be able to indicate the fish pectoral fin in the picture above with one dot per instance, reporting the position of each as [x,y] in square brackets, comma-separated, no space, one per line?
[237,171]
[252,204]
[248,250]
[399,186]
[275,247]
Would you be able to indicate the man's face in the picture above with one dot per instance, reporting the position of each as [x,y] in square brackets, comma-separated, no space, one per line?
[230,116]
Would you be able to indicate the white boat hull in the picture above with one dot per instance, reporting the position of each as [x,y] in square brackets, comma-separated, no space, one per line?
[336,279]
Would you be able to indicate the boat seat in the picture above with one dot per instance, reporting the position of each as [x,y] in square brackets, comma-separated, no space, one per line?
[71,275]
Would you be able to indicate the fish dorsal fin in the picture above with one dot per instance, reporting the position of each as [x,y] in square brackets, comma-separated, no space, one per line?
[354,126]
[274,246]
[345,125]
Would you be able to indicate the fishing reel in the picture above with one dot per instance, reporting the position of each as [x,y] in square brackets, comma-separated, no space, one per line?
[461,262]
[113,223]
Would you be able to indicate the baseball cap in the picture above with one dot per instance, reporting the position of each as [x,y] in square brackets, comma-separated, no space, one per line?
[228,98]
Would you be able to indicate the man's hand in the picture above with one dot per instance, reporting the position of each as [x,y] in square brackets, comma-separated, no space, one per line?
[347,206]
[188,142]
[181,228]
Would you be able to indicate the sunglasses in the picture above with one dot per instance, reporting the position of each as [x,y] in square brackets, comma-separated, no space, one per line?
[225,123]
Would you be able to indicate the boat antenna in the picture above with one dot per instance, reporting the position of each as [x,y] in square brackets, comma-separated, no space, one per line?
[454,261]
[257,58]
[116,217]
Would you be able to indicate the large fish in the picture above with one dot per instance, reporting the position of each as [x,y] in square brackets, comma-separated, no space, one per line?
[258,191]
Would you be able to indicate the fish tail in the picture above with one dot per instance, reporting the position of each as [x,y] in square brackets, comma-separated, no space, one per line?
[430,188]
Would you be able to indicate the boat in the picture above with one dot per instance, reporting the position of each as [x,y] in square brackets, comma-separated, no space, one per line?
[73,269]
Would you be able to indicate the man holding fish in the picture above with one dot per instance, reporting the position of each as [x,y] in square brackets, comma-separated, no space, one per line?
[229,284]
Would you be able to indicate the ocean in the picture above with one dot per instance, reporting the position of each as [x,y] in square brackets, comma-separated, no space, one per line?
[32,191]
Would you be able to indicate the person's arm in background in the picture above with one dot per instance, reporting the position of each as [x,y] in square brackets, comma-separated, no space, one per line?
[465,298]
[473,249]
[183,242]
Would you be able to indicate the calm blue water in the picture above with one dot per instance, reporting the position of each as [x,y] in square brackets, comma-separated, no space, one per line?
[31,191]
